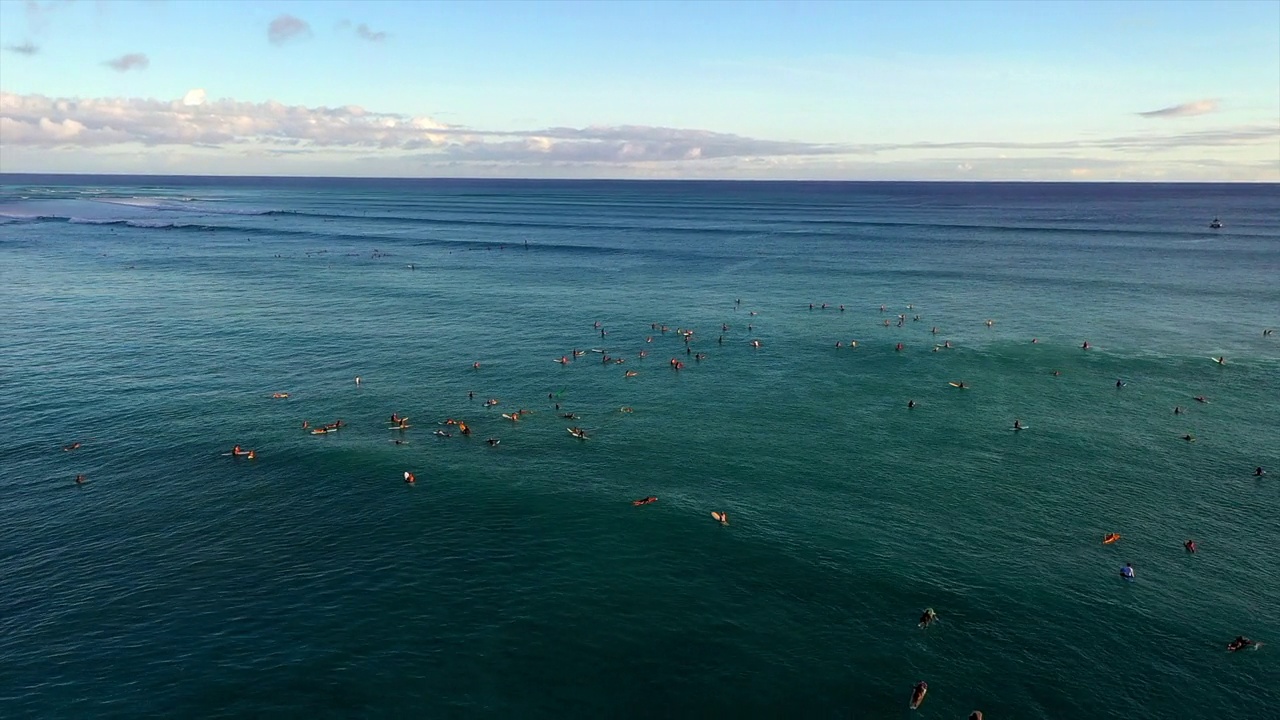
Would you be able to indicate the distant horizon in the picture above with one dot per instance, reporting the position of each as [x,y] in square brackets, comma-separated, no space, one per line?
[5,175]
[971,91]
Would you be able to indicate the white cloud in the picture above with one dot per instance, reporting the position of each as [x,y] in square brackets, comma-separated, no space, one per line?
[125,63]
[195,96]
[285,28]
[1190,109]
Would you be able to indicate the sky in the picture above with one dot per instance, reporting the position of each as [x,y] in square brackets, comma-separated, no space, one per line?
[904,90]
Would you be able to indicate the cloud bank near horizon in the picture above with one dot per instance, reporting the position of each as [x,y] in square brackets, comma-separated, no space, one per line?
[219,131]
[36,120]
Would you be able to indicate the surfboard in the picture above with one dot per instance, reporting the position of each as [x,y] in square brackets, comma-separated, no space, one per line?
[571,432]
[1220,362]
[719,517]
[1022,427]
[957,385]
[1109,540]
[400,427]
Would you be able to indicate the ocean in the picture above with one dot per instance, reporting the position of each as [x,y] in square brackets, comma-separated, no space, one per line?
[151,319]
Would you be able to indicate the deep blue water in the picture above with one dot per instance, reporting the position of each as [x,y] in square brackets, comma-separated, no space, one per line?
[151,319]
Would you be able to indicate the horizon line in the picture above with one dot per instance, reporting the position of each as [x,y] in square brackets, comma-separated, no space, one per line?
[4,174]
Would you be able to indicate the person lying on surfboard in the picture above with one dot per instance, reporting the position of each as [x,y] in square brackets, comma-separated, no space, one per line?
[644,501]
[918,693]
[928,617]
[1241,642]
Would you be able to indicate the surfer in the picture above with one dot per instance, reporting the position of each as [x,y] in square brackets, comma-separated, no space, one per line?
[1201,399]
[279,395]
[357,380]
[911,404]
[493,442]
[1241,642]
[1190,545]
[1177,410]
[975,715]
[475,365]
[721,517]
[400,442]
[1085,346]
[438,433]
[644,501]
[306,424]
[72,446]
[1259,472]
[918,693]
[934,330]
[1057,373]
[928,617]
[1221,360]
[1110,538]
[1017,424]
[1126,572]
[252,455]
[898,347]
[1119,383]
[1189,437]
[409,478]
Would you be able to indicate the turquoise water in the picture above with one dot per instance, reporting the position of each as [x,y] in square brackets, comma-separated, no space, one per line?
[152,319]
